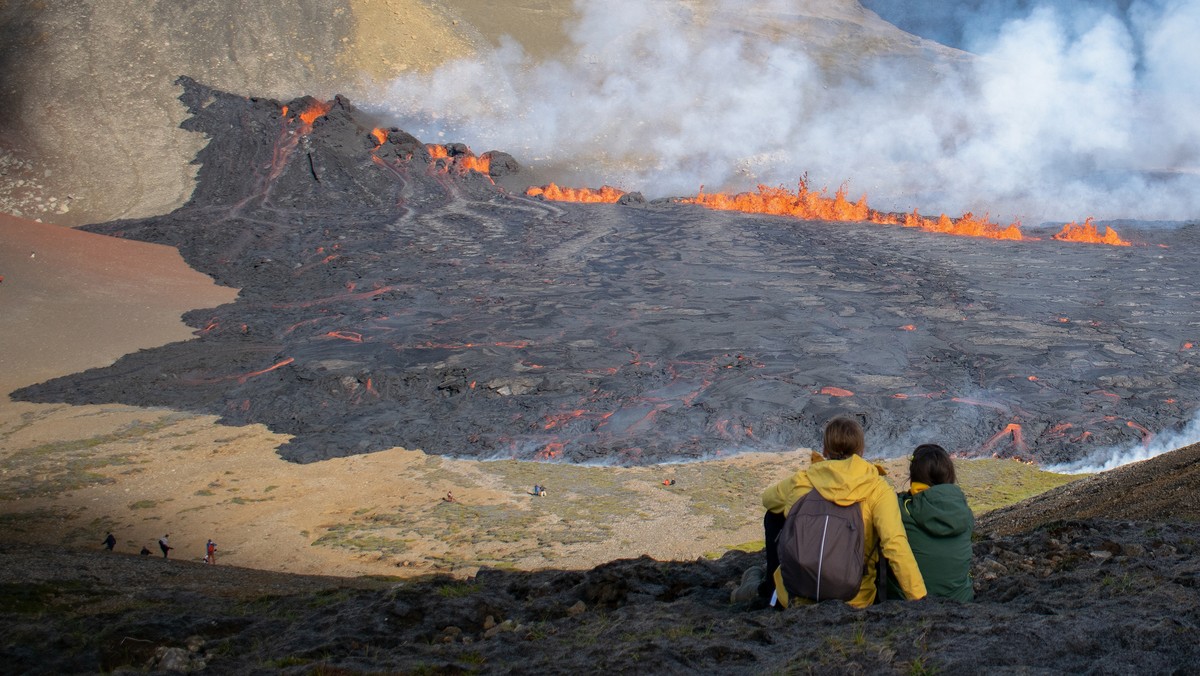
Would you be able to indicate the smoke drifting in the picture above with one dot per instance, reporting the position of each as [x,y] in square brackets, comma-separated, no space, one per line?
[1059,113]
[1103,460]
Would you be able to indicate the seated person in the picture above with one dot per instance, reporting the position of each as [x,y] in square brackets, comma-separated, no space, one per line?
[843,477]
[939,524]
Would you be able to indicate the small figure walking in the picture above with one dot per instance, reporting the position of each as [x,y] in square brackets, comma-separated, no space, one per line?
[449,497]
[210,552]
[110,541]
[164,545]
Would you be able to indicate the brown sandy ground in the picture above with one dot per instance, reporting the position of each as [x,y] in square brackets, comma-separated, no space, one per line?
[70,473]
[141,473]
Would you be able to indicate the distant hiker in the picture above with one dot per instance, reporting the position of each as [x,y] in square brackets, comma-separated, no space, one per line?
[145,551]
[449,497]
[210,552]
[537,489]
[668,482]
[541,491]
[842,488]
[939,524]
[110,542]
[164,545]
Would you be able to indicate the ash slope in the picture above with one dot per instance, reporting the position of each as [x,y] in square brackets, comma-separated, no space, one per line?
[1092,596]
[393,299]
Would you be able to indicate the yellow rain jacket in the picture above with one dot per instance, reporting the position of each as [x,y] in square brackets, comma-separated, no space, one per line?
[846,482]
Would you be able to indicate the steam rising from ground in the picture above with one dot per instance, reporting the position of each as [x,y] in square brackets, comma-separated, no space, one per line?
[1063,113]
[1110,458]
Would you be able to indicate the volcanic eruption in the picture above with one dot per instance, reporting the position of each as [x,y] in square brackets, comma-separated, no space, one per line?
[392,294]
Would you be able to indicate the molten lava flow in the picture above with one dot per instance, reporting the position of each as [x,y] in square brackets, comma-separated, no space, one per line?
[803,203]
[465,162]
[471,163]
[966,225]
[310,114]
[807,204]
[246,376]
[835,391]
[603,195]
[550,451]
[1014,434]
[352,336]
[380,135]
[557,419]
[1074,232]
[1147,435]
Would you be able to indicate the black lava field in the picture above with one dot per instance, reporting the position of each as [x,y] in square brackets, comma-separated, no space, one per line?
[390,298]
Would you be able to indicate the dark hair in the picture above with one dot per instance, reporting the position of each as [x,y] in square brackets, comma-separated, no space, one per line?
[843,438]
[931,465]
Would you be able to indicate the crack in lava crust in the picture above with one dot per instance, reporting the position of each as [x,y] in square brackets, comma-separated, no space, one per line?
[390,298]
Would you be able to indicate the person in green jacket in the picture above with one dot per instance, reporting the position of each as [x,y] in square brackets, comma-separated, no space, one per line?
[842,476]
[939,525]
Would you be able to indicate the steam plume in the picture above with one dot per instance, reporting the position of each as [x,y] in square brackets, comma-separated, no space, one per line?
[1110,458]
[1064,113]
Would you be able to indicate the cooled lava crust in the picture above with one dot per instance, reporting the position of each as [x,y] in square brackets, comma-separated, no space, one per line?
[393,298]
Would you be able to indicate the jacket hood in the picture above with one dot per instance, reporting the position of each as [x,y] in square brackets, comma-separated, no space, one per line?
[844,482]
[940,510]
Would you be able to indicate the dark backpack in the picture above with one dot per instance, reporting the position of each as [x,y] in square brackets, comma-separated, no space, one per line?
[821,549]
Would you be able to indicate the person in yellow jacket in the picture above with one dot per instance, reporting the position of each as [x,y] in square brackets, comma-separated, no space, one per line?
[843,477]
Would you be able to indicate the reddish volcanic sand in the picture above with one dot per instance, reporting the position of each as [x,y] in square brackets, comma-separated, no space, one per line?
[73,300]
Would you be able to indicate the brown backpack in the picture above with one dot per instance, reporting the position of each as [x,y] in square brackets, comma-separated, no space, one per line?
[821,549]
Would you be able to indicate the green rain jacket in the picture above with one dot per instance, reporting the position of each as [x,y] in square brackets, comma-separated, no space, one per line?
[939,525]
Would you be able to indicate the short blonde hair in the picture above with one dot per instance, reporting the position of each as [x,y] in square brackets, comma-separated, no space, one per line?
[843,438]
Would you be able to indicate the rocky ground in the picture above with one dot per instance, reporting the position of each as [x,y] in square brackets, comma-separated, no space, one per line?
[1071,596]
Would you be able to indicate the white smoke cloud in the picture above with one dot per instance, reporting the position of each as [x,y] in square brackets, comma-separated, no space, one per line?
[1064,116]
[1111,458]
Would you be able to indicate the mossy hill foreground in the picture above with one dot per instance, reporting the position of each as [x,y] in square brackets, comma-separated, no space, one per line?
[1113,592]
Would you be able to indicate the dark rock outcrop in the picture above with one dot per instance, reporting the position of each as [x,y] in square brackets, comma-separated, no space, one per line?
[1088,596]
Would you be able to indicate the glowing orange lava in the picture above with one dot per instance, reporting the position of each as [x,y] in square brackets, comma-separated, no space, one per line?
[1013,432]
[380,135]
[352,336]
[314,111]
[1147,435]
[246,376]
[550,451]
[803,203]
[605,194]
[966,225]
[1088,233]
[467,162]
